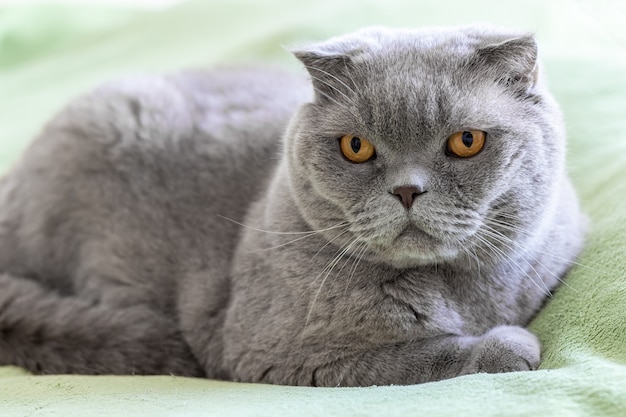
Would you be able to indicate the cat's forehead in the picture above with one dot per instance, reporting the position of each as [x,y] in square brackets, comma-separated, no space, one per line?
[417,80]
[412,69]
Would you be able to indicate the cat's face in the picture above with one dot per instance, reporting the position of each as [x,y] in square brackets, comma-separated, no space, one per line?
[425,143]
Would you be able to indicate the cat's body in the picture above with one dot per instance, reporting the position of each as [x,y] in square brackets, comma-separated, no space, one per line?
[123,249]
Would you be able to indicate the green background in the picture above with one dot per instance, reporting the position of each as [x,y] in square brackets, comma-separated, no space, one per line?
[50,54]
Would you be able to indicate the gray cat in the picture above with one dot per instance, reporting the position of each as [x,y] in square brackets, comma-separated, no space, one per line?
[415,216]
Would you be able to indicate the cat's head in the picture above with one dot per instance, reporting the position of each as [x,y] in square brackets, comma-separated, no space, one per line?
[425,142]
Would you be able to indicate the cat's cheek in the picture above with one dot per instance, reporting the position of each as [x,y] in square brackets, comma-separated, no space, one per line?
[338,182]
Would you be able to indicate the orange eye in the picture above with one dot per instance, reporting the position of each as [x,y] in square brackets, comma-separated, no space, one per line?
[466,143]
[357,149]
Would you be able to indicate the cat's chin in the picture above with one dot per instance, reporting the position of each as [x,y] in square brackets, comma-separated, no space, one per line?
[413,247]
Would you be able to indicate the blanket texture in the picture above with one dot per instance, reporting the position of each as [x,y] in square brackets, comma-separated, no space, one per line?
[48,55]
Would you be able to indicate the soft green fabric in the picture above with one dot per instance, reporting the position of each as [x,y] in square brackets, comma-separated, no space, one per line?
[49,55]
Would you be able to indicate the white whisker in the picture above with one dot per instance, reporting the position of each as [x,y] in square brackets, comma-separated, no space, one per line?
[286,243]
[526,233]
[359,254]
[328,243]
[512,245]
[337,253]
[332,87]
[472,255]
[337,226]
[334,77]
[510,261]
[314,233]
[328,269]
[332,99]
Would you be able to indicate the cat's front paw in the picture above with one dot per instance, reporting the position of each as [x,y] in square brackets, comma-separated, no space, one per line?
[504,349]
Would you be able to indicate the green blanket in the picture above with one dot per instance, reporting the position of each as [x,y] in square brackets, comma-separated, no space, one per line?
[48,55]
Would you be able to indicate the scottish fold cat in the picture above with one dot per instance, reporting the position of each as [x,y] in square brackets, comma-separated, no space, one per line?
[413,218]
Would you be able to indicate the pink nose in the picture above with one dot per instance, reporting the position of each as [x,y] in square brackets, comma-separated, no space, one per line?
[407,194]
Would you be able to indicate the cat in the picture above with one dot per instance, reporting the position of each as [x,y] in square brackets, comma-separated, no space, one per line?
[413,218]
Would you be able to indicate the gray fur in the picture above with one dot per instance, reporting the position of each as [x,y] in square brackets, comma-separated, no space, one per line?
[155,226]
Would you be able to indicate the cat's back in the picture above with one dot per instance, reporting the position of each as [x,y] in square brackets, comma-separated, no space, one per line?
[132,178]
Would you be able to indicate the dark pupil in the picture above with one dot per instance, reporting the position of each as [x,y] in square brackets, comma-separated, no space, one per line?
[355,144]
[468,139]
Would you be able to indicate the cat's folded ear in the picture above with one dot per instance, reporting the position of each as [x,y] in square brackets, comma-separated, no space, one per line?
[511,62]
[330,63]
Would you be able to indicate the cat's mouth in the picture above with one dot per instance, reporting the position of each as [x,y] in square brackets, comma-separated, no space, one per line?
[413,237]
[413,246]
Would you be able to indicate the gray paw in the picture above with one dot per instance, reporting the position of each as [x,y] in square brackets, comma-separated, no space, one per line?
[504,349]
